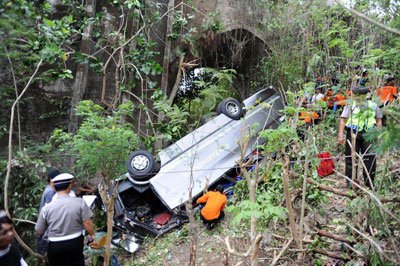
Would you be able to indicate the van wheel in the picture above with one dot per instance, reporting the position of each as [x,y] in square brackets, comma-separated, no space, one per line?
[141,165]
[232,108]
[218,109]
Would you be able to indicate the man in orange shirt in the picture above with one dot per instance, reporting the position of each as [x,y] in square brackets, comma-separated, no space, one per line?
[213,211]
[329,98]
[388,92]
[340,99]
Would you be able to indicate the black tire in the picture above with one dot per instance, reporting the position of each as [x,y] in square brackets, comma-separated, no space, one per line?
[232,108]
[218,109]
[141,165]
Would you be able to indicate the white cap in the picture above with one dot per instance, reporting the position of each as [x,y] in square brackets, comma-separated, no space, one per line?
[62,178]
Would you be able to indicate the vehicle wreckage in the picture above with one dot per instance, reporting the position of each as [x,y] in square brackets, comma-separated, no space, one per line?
[150,200]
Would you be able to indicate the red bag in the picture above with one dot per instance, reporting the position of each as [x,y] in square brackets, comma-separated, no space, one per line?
[326,165]
[162,218]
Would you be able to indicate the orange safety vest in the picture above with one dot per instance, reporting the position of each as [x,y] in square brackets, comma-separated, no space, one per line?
[386,93]
[340,99]
[308,116]
[328,98]
[215,203]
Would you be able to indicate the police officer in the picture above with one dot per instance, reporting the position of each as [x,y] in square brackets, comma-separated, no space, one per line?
[359,117]
[64,218]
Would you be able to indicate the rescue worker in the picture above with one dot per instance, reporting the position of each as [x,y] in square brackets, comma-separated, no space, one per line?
[359,117]
[340,99]
[9,251]
[213,211]
[387,94]
[308,116]
[64,218]
[47,195]
[329,98]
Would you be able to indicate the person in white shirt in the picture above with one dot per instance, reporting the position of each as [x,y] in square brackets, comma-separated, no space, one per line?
[318,96]
[9,252]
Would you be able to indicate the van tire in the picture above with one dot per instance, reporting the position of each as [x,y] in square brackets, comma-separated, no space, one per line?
[232,108]
[141,165]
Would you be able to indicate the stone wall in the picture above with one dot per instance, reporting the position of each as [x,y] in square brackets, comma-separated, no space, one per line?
[249,15]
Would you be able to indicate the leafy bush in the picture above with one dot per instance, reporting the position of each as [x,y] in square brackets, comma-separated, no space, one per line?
[25,190]
[102,142]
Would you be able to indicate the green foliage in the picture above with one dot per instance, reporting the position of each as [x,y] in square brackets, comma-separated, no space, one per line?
[212,23]
[28,34]
[269,195]
[274,137]
[185,115]
[141,61]
[102,142]
[327,41]
[389,136]
[159,249]
[337,38]
[213,88]
[131,4]
[177,118]
[37,36]
[26,185]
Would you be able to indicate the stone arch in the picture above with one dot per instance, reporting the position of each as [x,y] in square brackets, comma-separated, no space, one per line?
[250,29]
[238,47]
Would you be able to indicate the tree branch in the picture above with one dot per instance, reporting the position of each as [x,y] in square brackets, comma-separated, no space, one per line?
[282,251]
[7,178]
[364,17]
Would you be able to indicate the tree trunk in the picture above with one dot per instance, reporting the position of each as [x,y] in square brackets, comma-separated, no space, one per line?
[177,80]
[193,232]
[110,221]
[108,199]
[288,200]
[255,250]
[253,219]
[167,48]
[165,71]
[81,77]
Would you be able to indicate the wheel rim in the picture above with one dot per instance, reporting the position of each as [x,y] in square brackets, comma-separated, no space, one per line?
[232,108]
[140,162]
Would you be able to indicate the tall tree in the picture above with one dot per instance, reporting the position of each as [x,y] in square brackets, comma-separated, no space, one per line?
[81,76]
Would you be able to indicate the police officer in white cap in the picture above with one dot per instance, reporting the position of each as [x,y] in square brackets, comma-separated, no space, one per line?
[359,117]
[64,218]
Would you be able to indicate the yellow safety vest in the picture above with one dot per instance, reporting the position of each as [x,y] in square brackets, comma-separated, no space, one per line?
[362,118]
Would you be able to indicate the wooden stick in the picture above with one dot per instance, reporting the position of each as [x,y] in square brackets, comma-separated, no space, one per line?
[282,251]
[333,236]
[354,250]
[330,254]
[331,189]
[373,196]
[24,221]
[376,245]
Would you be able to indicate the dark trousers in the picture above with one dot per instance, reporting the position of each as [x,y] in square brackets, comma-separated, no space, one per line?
[361,146]
[66,253]
[213,221]
[42,243]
